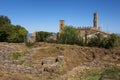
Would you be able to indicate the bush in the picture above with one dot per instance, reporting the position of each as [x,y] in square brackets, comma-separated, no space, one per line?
[70,35]
[42,36]
[97,40]
[110,41]
[111,74]
[29,44]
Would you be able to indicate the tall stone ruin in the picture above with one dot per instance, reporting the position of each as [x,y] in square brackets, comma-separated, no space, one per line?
[62,25]
[95,21]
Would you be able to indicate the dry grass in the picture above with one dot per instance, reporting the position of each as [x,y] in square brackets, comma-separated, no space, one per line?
[74,56]
[15,76]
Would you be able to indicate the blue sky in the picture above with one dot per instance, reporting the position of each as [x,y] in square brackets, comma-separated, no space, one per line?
[44,15]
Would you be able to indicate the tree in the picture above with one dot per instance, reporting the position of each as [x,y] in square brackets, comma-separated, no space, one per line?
[42,36]
[17,34]
[113,41]
[110,41]
[4,20]
[11,33]
[97,40]
[4,33]
[3,36]
[22,33]
[69,35]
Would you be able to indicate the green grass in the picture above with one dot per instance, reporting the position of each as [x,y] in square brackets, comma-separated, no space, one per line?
[102,74]
[29,44]
[21,62]
[15,55]
[111,73]
[92,75]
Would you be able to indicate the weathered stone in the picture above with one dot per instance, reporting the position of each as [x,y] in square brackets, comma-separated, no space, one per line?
[59,59]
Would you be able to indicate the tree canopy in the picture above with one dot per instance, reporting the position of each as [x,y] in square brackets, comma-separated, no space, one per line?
[11,33]
[4,20]
[42,36]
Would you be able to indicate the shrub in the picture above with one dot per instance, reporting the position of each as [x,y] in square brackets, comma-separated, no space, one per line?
[15,55]
[29,43]
[70,35]
[42,36]
[110,41]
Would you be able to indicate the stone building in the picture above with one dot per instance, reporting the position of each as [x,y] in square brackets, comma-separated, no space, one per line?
[87,31]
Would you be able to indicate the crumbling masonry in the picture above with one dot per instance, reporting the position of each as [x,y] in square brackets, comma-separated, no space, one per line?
[87,31]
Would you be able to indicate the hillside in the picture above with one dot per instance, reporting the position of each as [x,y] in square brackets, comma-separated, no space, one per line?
[45,61]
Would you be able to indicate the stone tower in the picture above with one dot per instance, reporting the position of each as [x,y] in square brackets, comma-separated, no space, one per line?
[62,25]
[33,37]
[95,20]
